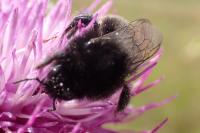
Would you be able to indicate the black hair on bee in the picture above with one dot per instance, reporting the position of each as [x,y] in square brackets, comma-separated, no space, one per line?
[95,65]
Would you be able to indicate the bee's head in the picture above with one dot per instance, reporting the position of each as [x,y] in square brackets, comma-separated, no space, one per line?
[81,20]
[84,18]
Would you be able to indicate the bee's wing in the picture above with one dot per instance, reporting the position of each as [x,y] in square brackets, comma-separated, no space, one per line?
[141,40]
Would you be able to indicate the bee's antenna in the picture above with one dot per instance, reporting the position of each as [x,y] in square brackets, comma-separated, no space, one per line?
[37,79]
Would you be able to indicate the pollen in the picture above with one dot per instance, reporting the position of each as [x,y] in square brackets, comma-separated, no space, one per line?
[61,84]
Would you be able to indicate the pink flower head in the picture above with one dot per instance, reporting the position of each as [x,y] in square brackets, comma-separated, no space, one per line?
[29,32]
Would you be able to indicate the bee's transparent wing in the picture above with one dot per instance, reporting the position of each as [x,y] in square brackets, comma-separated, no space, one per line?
[141,39]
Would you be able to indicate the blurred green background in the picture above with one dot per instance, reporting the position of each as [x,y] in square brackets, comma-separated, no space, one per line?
[179,21]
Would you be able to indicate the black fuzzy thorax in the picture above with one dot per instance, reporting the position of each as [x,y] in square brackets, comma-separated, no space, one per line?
[88,71]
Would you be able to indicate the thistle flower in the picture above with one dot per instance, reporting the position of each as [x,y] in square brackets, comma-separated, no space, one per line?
[29,33]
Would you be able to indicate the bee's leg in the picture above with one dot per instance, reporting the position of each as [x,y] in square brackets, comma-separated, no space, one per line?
[124,98]
[53,105]
[50,59]
[49,39]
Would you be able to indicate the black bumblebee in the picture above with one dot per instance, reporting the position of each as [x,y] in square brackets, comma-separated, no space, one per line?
[95,65]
